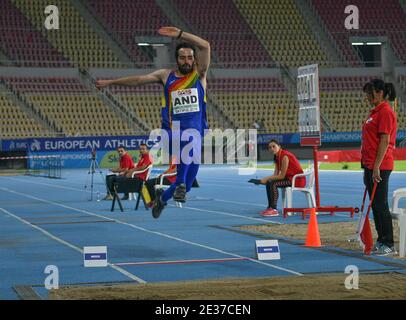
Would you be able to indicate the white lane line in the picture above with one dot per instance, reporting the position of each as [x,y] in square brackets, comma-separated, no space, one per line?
[204,210]
[227,201]
[231,215]
[227,185]
[155,232]
[50,235]
[141,263]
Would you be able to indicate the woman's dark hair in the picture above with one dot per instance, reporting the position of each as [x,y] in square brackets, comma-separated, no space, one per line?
[276,142]
[182,46]
[388,89]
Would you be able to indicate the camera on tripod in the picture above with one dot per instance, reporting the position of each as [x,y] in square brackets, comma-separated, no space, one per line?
[94,166]
[93,154]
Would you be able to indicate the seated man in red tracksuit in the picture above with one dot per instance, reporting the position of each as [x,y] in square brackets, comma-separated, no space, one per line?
[140,174]
[126,163]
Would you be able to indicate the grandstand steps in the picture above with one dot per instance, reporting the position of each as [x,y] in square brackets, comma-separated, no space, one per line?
[325,123]
[320,32]
[26,107]
[86,13]
[400,92]
[120,109]
[5,61]
[288,80]
[221,120]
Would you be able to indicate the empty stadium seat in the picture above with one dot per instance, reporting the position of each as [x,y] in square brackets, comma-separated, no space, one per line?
[232,41]
[75,38]
[389,15]
[70,105]
[22,42]
[282,31]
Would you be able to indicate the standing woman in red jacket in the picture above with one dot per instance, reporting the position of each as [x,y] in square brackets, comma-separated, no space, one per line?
[286,166]
[378,143]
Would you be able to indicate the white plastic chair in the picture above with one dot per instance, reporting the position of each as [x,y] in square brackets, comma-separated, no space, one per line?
[308,189]
[161,185]
[400,215]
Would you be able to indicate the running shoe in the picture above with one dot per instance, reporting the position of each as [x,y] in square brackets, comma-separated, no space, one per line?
[376,246]
[180,193]
[384,250]
[263,211]
[270,213]
[159,205]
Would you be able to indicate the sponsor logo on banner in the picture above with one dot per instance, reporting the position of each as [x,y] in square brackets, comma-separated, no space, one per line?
[35,145]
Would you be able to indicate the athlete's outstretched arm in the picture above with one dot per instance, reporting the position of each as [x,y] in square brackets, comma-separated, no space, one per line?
[158,76]
[203,46]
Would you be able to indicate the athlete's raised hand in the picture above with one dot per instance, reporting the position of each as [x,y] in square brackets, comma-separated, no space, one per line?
[170,32]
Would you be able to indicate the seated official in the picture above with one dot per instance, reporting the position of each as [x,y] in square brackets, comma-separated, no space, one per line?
[138,171]
[286,166]
[126,163]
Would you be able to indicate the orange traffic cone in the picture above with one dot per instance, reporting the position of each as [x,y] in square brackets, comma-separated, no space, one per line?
[313,236]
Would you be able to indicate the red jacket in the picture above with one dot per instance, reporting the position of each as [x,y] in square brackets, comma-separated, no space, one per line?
[126,162]
[145,160]
[381,120]
[294,167]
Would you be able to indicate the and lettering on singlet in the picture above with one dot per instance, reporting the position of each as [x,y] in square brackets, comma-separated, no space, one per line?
[185,101]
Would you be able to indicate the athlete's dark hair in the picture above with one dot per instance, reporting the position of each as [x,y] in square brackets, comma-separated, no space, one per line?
[276,142]
[379,85]
[182,46]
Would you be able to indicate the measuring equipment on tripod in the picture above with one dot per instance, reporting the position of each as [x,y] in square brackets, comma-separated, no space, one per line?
[308,95]
[94,166]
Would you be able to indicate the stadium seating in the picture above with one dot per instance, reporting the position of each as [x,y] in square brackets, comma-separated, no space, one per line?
[128,20]
[401,113]
[75,38]
[242,33]
[22,43]
[342,101]
[15,123]
[146,103]
[69,105]
[245,100]
[377,18]
[231,39]
[282,31]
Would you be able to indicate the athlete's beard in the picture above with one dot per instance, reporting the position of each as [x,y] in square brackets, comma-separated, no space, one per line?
[185,68]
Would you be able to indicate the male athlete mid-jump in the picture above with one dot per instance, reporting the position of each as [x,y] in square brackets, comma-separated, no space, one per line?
[184,101]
